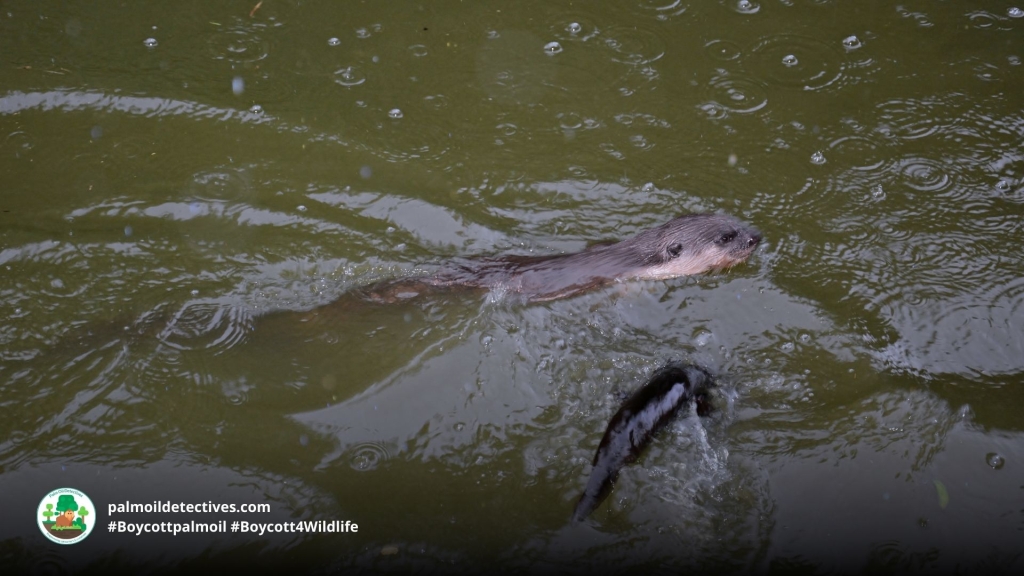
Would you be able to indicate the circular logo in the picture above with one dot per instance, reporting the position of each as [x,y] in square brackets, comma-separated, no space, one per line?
[66,516]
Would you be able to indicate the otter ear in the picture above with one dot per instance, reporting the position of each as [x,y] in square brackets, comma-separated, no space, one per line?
[674,250]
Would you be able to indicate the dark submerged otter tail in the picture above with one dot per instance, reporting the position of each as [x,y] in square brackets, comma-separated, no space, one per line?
[636,422]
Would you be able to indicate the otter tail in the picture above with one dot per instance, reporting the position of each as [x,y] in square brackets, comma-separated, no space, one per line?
[636,422]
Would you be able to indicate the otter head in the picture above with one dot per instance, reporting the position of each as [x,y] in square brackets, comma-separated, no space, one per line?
[695,244]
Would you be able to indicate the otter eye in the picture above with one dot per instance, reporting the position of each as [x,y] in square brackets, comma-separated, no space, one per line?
[726,238]
[675,250]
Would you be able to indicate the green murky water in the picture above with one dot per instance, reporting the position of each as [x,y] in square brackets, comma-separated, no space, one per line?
[180,181]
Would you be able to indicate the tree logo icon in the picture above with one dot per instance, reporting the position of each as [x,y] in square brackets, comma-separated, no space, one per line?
[66,516]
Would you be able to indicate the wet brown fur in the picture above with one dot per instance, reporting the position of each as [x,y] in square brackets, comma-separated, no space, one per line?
[688,244]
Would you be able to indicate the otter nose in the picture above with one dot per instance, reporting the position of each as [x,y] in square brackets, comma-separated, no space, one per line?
[755,237]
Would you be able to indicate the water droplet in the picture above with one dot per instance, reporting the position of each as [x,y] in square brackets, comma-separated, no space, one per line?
[395,113]
[492,34]
[649,186]
[57,283]
[238,85]
[149,42]
[574,28]
[303,440]
[195,292]
[301,207]
[1014,12]
[790,60]
[995,460]
[733,159]
[256,109]
[818,158]
[349,76]
[787,347]
[333,42]
[552,48]
[1013,60]
[877,192]
[127,230]
[747,7]
[851,42]
[365,172]
[96,132]
[702,338]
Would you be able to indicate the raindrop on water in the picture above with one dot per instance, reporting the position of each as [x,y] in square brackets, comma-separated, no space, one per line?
[1014,12]
[818,158]
[747,7]
[552,48]
[238,85]
[851,42]
[994,460]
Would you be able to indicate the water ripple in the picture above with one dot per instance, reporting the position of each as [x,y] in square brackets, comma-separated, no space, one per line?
[210,326]
[635,44]
[724,50]
[239,42]
[926,174]
[798,62]
[730,93]
[368,456]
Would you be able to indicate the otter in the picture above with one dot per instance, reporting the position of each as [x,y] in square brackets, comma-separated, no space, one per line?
[686,245]
[636,422]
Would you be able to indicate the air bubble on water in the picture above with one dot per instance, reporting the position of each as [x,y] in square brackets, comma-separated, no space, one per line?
[851,42]
[648,187]
[1014,12]
[574,28]
[362,33]
[818,158]
[149,43]
[747,7]
[333,41]
[552,48]
[995,460]
[238,85]
[1003,185]
[395,113]
[301,207]
[256,109]
[790,60]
